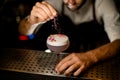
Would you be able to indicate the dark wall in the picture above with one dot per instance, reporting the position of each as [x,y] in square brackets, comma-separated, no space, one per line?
[11,12]
[117,4]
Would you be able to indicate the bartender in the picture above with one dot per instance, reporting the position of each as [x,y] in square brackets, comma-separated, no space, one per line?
[85,22]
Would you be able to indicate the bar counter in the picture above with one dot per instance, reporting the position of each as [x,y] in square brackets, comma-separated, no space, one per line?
[25,64]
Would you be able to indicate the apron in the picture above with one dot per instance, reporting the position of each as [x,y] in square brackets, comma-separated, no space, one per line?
[83,37]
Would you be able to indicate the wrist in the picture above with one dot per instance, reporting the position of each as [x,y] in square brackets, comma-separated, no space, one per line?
[32,25]
[29,21]
[32,22]
[92,56]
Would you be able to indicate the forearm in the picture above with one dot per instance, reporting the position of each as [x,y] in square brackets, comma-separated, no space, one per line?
[106,51]
[24,26]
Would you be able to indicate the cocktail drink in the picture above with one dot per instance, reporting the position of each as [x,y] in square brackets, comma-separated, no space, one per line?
[57,43]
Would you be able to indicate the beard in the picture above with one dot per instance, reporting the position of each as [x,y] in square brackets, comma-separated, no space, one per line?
[72,7]
[75,7]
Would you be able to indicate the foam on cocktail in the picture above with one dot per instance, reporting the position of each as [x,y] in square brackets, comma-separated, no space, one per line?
[57,40]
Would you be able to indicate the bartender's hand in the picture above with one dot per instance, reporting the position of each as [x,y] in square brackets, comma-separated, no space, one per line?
[42,12]
[74,63]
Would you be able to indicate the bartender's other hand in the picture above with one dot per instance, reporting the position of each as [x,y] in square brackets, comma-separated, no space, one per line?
[42,12]
[74,63]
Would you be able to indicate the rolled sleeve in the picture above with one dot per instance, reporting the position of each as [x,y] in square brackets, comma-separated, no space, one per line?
[111,19]
[113,29]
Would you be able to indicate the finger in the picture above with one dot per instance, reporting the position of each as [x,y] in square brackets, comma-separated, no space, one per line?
[43,13]
[38,12]
[63,61]
[71,69]
[79,71]
[35,13]
[47,10]
[64,66]
[44,8]
[53,11]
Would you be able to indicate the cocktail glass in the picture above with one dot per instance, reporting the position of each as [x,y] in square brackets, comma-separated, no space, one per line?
[57,43]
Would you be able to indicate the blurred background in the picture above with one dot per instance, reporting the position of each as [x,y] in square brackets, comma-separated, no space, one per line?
[11,12]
